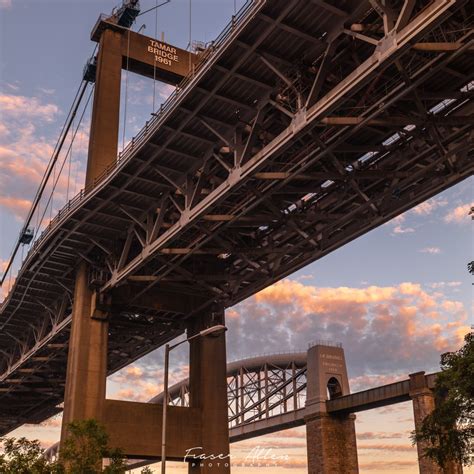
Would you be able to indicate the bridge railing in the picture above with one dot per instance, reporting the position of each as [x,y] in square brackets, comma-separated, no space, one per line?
[150,126]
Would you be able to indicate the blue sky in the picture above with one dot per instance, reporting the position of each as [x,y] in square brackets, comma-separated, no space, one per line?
[401,287]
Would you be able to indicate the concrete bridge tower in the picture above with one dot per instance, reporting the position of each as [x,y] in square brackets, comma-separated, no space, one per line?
[136,427]
[331,439]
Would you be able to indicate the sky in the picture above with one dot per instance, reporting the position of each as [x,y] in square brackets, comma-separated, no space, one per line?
[396,297]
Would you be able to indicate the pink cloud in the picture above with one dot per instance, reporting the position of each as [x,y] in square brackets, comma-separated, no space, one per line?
[459,214]
[18,206]
[427,207]
[387,447]
[369,435]
[26,147]
[141,383]
[17,106]
[381,327]
[382,466]
[431,250]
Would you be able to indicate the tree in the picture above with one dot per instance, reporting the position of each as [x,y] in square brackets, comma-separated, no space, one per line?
[22,456]
[82,453]
[449,429]
[146,470]
[85,447]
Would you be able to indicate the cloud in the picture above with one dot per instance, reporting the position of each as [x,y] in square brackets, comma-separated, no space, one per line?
[140,382]
[380,327]
[5,4]
[17,205]
[443,284]
[431,250]
[422,210]
[459,214]
[27,136]
[427,207]
[17,106]
[403,230]
[397,222]
[291,433]
[382,466]
[9,280]
[47,91]
[370,435]
[387,447]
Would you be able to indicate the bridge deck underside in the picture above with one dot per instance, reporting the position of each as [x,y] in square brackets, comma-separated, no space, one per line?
[294,137]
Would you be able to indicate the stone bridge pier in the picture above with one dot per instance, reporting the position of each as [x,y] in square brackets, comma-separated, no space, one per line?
[331,439]
[424,403]
[331,436]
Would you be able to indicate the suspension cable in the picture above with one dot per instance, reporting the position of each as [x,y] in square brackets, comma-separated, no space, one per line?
[190,25]
[126,93]
[69,167]
[154,57]
[65,158]
[154,8]
[57,149]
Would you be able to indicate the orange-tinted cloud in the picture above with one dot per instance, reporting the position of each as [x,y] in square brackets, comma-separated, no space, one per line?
[382,466]
[427,207]
[386,331]
[27,140]
[459,214]
[140,383]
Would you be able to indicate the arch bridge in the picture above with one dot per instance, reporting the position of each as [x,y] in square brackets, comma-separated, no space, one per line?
[270,393]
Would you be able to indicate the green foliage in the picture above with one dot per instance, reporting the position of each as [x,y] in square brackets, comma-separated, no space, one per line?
[82,453]
[449,429]
[21,456]
[146,470]
[85,446]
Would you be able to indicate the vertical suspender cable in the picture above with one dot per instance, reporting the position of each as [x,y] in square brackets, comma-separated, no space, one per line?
[154,56]
[55,182]
[190,24]
[52,193]
[190,33]
[46,176]
[69,167]
[126,92]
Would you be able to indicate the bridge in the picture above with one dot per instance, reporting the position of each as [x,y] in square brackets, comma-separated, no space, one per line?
[303,126]
[269,393]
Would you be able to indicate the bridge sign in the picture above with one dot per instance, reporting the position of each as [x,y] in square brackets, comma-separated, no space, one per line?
[148,56]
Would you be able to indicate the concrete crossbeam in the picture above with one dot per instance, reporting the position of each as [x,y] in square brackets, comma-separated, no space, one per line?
[135,428]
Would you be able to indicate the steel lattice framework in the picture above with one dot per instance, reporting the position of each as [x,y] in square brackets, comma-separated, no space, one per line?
[257,388]
[267,394]
[262,388]
[306,124]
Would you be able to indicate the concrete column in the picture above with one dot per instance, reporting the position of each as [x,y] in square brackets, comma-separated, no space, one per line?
[84,395]
[331,444]
[331,440]
[106,109]
[87,358]
[423,404]
[208,392]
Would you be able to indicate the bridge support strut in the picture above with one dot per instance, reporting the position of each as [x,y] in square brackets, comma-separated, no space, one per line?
[331,444]
[423,404]
[87,358]
[208,392]
[331,439]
